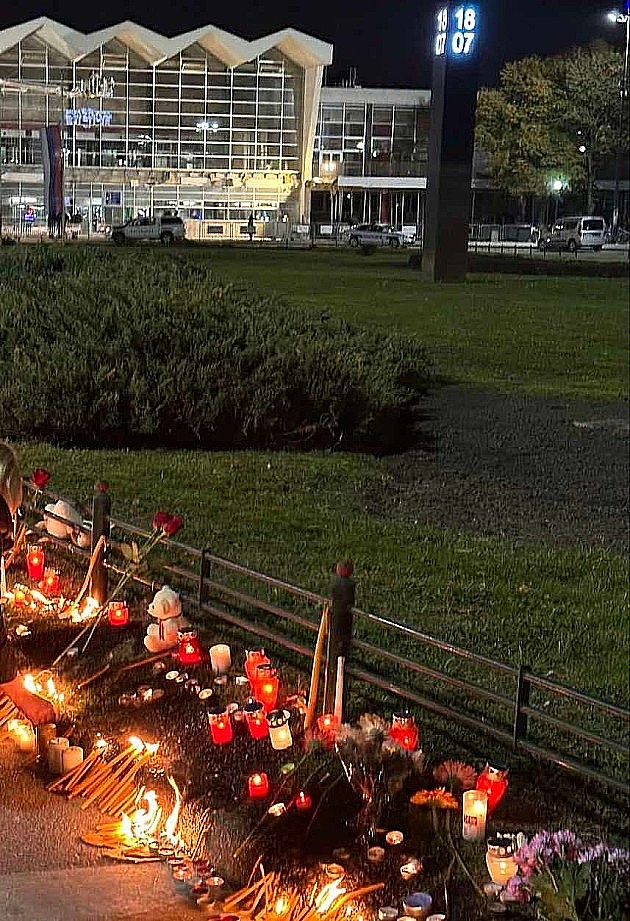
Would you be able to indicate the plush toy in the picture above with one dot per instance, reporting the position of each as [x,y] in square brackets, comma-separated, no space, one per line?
[65,530]
[166,608]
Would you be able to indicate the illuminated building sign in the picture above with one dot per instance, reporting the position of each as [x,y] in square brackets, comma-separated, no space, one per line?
[456,31]
[95,85]
[88,118]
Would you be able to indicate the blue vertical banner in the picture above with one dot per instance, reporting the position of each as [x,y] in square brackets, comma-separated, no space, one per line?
[52,159]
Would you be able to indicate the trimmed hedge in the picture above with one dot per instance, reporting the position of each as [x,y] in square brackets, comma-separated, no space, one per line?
[148,347]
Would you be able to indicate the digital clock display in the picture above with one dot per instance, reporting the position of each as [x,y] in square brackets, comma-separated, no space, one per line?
[456,31]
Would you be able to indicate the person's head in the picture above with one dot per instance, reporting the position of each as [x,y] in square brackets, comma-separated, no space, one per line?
[10,478]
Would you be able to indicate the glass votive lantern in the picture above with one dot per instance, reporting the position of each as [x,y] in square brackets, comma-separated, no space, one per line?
[404,731]
[254,658]
[220,726]
[220,659]
[266,686]
[50,582]
[256,719]
[189,650]
[303,801]
[494,781]
[258,786]
[279,731]
[474,813]
[35,560]
[500,860]
[327,723]
[117,613]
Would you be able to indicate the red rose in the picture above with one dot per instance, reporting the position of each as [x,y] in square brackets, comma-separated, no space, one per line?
[40,477]
[159,520]
[173,525]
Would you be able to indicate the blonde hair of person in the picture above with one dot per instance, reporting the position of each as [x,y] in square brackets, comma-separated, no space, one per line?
[10,478]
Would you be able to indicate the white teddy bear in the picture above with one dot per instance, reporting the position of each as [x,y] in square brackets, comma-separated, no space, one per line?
[166,608]
[68,529]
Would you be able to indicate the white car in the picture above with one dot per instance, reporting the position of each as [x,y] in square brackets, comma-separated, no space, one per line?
[378,235]
[163,228]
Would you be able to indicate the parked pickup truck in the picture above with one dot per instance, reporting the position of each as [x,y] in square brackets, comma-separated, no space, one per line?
[163,228]
[378,235]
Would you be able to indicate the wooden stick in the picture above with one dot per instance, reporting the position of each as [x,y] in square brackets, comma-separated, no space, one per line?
[356,894]
[317,664]
[87,681]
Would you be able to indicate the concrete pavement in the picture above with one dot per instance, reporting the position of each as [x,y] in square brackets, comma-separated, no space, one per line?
[48,874]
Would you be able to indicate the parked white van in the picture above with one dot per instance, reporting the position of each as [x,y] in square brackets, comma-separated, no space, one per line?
[573,233]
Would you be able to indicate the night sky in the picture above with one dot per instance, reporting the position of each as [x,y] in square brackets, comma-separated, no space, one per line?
[388,41]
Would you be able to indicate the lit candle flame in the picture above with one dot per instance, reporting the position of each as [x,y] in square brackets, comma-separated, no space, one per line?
[144,821]
[328,896]
[171,822]
[137,743]
[30,684]
[282,905]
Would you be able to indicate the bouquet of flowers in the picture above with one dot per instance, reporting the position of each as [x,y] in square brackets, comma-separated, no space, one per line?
[375,766]
[571,881]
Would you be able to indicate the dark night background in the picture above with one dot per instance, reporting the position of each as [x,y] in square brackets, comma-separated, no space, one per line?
[388,42]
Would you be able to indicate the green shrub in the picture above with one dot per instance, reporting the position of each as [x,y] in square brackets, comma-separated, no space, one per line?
[145,347]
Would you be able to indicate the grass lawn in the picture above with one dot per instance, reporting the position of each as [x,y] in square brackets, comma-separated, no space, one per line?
[564,336]
[563,612]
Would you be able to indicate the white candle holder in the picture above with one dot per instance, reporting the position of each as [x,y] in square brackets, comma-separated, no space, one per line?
[56,747]
[220,659]
[474,814]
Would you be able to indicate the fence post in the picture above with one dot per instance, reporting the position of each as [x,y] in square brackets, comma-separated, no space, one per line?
[101,511]
[205,571]
[523,688]
[339,637]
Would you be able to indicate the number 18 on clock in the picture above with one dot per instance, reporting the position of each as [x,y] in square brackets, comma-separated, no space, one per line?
[456,34]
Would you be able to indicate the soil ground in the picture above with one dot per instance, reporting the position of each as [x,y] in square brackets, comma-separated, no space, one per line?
[516,466]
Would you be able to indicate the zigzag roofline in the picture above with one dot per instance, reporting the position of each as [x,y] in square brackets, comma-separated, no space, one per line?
[232,50]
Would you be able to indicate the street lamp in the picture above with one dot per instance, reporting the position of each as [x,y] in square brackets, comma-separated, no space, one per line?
[619,18]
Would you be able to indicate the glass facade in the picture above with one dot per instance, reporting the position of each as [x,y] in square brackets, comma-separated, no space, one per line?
[364,138]
[189,112]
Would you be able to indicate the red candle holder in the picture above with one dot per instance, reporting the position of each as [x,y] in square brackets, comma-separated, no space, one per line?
[266,686]
[328,723]
[50,583]
[258,786]
[404,731]
[256,719]
[494,782]
[19,596]
[35,560]
[189,650]
[220,726]
[117,613]
[302,801]
[254,658]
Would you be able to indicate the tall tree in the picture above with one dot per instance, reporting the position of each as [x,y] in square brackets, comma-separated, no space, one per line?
[545,109]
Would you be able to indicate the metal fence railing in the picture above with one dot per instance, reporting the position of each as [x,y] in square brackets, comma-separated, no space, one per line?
[511,704]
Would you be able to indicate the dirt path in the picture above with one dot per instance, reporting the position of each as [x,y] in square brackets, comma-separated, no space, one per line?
[528,468]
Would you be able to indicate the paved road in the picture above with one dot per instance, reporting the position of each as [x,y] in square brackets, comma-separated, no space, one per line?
[47,874]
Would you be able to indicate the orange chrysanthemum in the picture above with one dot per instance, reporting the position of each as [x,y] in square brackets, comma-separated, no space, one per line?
[439,798]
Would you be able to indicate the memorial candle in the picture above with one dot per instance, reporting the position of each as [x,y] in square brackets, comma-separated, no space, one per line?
[117,613]
[220,659]
[50,582]
[474,812]
[303,801]
[188,647]
[258,786]
[220,726]
[500,860]
[279,731]
[404,731]
[493,780]
[256,719]
[35,560]
[266,686]
[254,658]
